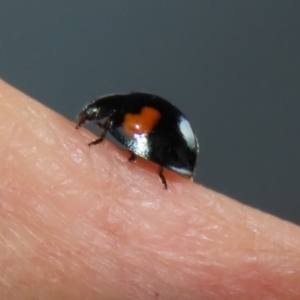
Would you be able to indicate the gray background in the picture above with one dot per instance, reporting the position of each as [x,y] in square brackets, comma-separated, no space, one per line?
[231,66]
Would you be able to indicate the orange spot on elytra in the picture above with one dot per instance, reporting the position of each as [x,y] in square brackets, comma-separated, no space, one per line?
[142,122]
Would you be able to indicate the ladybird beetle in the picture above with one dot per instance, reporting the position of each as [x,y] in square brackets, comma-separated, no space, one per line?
[148,126]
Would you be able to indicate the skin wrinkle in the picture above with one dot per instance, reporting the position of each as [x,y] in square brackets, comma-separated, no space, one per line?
[256,228]
[76,154]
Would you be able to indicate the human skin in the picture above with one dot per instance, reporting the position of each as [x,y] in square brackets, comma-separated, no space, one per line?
[83,223]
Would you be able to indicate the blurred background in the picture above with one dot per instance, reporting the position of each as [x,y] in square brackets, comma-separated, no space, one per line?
[233,67]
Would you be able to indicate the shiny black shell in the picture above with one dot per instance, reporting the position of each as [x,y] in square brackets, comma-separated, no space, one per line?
[148,126]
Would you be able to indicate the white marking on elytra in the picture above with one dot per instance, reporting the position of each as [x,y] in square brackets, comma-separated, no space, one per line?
[187,132]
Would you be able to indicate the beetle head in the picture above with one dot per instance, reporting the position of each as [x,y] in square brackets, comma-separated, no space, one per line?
[89,113]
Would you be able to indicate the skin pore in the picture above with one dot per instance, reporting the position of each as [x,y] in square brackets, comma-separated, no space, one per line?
[83,223]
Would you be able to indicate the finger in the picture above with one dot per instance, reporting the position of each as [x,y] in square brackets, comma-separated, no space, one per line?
[79,222]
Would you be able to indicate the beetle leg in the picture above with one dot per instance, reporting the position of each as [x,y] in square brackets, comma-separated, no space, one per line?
[162,177]
[101,138]
[132,157]
[98,141]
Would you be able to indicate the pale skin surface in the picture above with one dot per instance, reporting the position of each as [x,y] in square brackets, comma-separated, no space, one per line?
[83,223]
